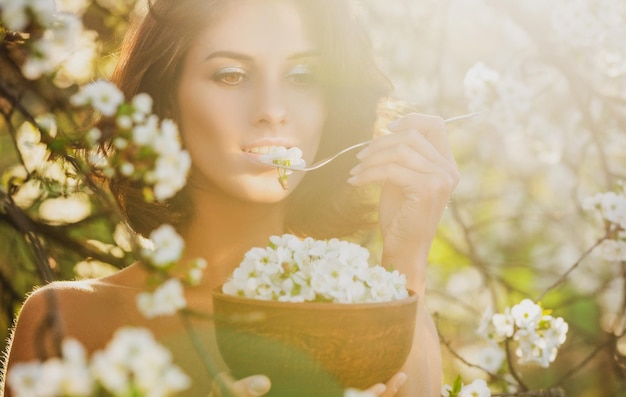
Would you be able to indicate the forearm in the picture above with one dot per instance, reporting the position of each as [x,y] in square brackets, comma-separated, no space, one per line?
[423,366]
[411,262]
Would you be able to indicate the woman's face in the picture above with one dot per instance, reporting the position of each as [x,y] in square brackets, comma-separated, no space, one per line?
[249,83]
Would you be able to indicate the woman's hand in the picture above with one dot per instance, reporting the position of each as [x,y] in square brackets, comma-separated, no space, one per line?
[390,388]
[259,385]
[252,386]
[380,390]
[419,173]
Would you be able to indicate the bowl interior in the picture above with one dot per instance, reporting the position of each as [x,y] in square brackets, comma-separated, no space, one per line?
[311,347]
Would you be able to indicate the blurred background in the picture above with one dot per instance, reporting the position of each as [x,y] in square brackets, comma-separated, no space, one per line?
[549,78]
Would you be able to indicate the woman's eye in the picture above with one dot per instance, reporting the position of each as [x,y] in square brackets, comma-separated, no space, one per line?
[301,75]
[230,76]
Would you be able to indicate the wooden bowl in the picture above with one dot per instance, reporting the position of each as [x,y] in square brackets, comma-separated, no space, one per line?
[314,349]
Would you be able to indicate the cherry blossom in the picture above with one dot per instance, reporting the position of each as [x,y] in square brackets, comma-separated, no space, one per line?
[290,269]
[166,299]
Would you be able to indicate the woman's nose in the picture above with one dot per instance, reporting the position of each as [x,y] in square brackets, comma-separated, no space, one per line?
[271,106]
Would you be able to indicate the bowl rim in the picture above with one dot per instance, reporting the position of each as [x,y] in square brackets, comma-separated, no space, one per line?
[217,293]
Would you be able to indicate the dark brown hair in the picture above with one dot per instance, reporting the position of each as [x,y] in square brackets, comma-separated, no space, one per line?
[323,204]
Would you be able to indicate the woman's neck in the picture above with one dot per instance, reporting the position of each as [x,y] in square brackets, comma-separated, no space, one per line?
[223,229]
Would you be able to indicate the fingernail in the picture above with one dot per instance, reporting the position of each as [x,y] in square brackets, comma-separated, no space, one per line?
[355,170]
[260,385]
[379,389]
[362,153]
[401,380]
[352,180]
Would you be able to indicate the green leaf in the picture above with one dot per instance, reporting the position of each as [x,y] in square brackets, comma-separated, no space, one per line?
[456,386]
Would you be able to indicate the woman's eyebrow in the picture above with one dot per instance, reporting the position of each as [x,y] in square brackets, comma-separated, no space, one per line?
[244,57]
[228,54]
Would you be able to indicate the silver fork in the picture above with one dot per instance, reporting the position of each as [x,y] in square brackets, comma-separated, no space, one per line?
[327,160]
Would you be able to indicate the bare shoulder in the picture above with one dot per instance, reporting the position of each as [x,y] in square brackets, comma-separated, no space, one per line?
[86,310]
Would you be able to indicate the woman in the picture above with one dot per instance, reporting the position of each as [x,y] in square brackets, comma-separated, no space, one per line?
[239,77]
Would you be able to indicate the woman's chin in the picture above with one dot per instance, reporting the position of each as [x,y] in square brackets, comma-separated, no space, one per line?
[263,189]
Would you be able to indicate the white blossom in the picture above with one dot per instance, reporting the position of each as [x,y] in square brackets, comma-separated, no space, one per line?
[167,141]
[291,157]
[133,362]
[479,83]
[168,246]
[166,300]
[490,358]
[195,274]
[172,164]
[504,324]
[16,14]
[23,379]
[144,133]
[477,388]
[93,136]
[104,96]
[290,269]
[610,205]
[164,164]
[445,390]
[526,314]
[67,375]
[125,122]
[142,106]
[540,345]
[170,174]
[127,169]
[280,155]
[59,43]
[538,335]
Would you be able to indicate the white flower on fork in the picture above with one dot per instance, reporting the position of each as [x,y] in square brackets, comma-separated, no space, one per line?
[280,155]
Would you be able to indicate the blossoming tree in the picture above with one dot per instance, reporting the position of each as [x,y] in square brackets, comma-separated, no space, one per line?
[528,271]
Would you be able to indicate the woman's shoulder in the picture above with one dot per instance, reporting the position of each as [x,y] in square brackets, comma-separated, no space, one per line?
[58,294]
[88,310]
[76,293]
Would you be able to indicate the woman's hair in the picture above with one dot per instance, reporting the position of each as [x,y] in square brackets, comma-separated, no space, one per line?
[323,204]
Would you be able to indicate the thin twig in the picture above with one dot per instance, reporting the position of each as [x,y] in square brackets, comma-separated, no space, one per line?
[552,392]
[512,370]
[205,356]
[583,363]
[564,276]
[451,350]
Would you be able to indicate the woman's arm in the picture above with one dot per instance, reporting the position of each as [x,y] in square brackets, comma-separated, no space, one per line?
[419,173]
[32,334]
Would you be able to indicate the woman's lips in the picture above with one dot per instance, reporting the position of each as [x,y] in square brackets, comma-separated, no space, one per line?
[263,145]
[252,153]
[265,149]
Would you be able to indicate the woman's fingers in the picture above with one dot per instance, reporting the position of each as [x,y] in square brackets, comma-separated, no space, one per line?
[400,163]
[394,384]
[380,167]
[390,388]
[417,169]
[377,390]
[432,127]
[411,139]
[252,386]
[418,143]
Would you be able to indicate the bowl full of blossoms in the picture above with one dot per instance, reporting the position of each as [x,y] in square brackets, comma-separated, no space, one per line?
[315,317]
